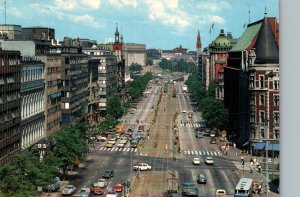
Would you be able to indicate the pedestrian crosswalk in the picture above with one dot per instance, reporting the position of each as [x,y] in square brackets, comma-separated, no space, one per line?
[137,123]
[141,109]
[202,153]
[117,149]
[193,125]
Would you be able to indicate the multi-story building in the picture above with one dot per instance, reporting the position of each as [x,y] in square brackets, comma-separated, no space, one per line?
[264,90]
[10,103]
[38,33]
[10,31]
[218,54]
[250,93]
[74,77]
[134,53]
[32,104]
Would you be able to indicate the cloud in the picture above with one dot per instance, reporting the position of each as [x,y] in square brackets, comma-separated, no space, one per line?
[85,20]
[66,4]
[93,4]
[213,6]
[121,3]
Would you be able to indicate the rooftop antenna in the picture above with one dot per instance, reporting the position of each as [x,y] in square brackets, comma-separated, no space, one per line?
[249,12]
[5,12]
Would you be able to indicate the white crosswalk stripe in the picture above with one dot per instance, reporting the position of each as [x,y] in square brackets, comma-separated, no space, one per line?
[204,153]
[101,148]
[135,150]
[117,149]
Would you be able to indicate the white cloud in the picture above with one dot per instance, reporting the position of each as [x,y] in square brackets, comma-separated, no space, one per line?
[122,3]
[86,20]
[213,6]
[93,4]
[66,4]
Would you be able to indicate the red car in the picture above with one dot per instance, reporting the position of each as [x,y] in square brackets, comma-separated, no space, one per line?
[118,186]
[97,190]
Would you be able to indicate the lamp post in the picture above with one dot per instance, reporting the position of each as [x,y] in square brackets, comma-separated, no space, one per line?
[269,75]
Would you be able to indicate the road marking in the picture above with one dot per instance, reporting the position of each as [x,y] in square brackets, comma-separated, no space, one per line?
[211,153]
[112,149]
[185,152]
[101,148]
[188,152]
[216,154]
[200,152]
[220,154]
[128,149]
[207,153]
[203,152]
[120,149]
[135,150]
[192,152]
[196,152]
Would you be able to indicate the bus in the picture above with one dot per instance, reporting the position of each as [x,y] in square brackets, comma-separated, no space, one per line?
[244,188]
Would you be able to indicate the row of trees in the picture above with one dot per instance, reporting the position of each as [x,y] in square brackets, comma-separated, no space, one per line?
[135,67]
[116,109]
[213,110]
[178,65]
[27,171]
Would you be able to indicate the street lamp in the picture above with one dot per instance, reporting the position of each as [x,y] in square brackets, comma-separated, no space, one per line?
[269,75]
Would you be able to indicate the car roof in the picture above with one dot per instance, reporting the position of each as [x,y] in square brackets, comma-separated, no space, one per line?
[208,157]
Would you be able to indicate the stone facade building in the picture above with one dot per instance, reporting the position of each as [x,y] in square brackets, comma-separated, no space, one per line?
[32,104]
[10,105]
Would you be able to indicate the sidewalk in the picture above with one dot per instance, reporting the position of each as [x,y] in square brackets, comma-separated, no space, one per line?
[235,156]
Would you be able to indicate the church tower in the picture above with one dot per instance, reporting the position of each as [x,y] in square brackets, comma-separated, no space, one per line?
[117,35]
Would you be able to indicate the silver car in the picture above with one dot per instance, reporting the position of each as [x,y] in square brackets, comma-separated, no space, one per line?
[69,190]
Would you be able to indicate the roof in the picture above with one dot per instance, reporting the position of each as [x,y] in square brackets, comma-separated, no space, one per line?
[266,47]
[247,37]
[244,184]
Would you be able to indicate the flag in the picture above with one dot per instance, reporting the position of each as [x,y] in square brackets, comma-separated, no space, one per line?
[210,30]
[212,26]
[244,25]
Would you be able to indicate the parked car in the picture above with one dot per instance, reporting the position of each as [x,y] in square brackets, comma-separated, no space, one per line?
[112,140]
[213,140]
[196,161]
[111,193]
[96,189]
[69,190]
[101,183]
[118,187]
[142,166]
[54,186]
[109,145]
[108,174]
[201,179]
[199,134]
[85,192]
[209,161]
[220,192]
[101,138]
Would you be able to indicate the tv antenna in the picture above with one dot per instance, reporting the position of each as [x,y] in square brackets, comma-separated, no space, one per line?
[5,12]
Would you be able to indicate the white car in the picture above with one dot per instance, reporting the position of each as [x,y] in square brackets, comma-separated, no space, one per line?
[142,166]
[196,161]
[85,192]
[112,140]
[101,138]
[101,183]
[69,190]
[111,194]
[209,160]
[183,111]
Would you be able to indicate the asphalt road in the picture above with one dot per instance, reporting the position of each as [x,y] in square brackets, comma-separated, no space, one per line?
[158,116]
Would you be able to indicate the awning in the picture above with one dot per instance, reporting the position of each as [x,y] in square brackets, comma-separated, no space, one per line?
[274,147]
[260,145]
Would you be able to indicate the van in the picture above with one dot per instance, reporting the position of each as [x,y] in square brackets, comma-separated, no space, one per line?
[201,179]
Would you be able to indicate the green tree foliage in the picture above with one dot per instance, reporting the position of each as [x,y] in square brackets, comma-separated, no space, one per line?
[108,122]
[178,65]
[138,86]
[71,145]
[135,67]
[115,107]
[149,62]
[25,173]
[213,111]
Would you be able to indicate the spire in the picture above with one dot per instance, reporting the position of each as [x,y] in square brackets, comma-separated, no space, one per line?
[267,50]
[266,13]
[117,34]
[198,45]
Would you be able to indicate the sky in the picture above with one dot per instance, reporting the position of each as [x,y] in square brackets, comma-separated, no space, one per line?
[160,24]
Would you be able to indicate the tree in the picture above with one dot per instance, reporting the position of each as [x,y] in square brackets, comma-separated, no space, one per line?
[135,67]
[115,108]
[149,61]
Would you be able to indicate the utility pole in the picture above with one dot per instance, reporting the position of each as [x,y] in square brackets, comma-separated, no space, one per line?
[4,12]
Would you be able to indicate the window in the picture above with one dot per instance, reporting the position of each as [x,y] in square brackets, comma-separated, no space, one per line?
[276,117]
[251,81]
[68,94]
[276,84]
[261,81]
[252,117]
[276,100]
[276,132]
[261,99]
[252,99]
[67,105]
[262,132]
[261,117]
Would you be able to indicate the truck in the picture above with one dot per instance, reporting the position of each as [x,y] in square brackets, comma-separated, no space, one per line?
[120,128]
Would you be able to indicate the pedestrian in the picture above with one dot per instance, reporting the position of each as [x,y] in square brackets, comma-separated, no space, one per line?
[259,168]
[251,160]
[234,145]
[259,188]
